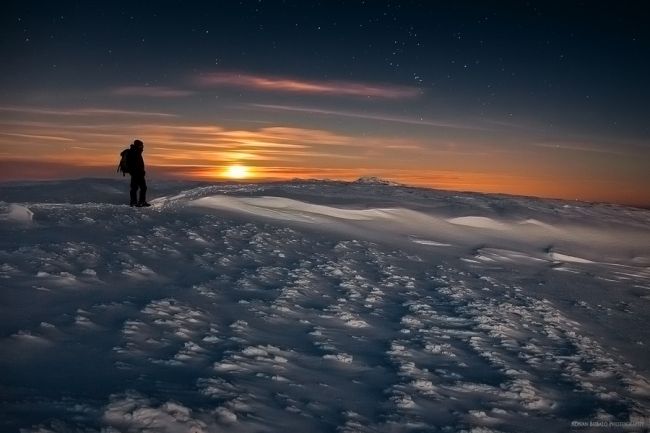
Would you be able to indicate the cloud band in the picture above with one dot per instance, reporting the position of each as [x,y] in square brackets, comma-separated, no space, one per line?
[283,84]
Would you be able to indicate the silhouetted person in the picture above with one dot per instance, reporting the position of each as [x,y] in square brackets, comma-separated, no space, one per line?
[136,170]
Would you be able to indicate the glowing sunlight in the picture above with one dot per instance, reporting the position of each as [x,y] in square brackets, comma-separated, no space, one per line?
[237,172]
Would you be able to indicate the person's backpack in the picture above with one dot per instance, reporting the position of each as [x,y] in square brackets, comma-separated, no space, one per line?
[123,166]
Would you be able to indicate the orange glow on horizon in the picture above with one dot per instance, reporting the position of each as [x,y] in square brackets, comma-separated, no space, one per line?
[40,145]
[584,189]
[489,183]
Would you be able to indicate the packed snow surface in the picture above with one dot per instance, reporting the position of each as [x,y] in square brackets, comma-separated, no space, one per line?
[315,306]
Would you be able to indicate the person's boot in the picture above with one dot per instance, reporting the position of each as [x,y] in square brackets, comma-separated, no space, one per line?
[143,198]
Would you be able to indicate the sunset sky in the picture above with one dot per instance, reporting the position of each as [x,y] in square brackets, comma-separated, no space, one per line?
[547,99]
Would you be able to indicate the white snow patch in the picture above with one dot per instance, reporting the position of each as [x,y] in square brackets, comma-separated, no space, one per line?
[567,258]
[18,213]
[478,222]
[538,223]
[341,357]
[134,412]
[429,242]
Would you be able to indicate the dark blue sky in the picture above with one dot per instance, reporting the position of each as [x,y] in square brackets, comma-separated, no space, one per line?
[546,76]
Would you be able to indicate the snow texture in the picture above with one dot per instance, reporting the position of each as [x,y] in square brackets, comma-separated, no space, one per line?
[318,306]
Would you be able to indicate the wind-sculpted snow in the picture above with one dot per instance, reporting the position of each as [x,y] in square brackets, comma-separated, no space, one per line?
[322,307]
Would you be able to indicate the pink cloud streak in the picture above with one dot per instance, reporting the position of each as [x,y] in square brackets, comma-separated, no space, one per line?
[82,111]
[340,88]
[151,91]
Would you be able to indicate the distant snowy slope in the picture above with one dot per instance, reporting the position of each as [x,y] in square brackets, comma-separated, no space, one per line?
[318,306]
[91,190]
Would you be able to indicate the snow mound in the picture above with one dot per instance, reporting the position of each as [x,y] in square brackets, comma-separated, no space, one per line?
[478,222]
[287,209]
[567,258]
[537,223]
[17,213]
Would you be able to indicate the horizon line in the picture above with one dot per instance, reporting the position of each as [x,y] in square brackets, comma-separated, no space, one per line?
[395,184]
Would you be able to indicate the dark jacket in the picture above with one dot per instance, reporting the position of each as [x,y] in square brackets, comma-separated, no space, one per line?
[136,162]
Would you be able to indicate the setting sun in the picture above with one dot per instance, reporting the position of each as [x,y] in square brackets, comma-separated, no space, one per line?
[237,172]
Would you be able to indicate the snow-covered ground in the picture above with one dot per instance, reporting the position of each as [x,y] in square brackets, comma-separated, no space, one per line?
[314,306]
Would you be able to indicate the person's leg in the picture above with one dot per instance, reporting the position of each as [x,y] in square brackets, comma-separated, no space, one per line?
[134,190]
[143,190]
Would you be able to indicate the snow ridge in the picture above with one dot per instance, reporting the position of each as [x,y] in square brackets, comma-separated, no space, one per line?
[373,180]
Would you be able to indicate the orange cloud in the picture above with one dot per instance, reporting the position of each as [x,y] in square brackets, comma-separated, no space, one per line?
[280,84]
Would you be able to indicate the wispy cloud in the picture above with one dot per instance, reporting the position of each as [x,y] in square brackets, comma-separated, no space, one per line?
[581,146]
[82,111]
[30,169]
[287,135]
[38,137]
[152,91]
[373,116]
[284,84]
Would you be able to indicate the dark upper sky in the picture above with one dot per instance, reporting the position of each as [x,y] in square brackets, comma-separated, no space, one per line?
[537,98]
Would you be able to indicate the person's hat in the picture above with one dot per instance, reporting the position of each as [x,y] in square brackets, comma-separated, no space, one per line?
[138,143]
